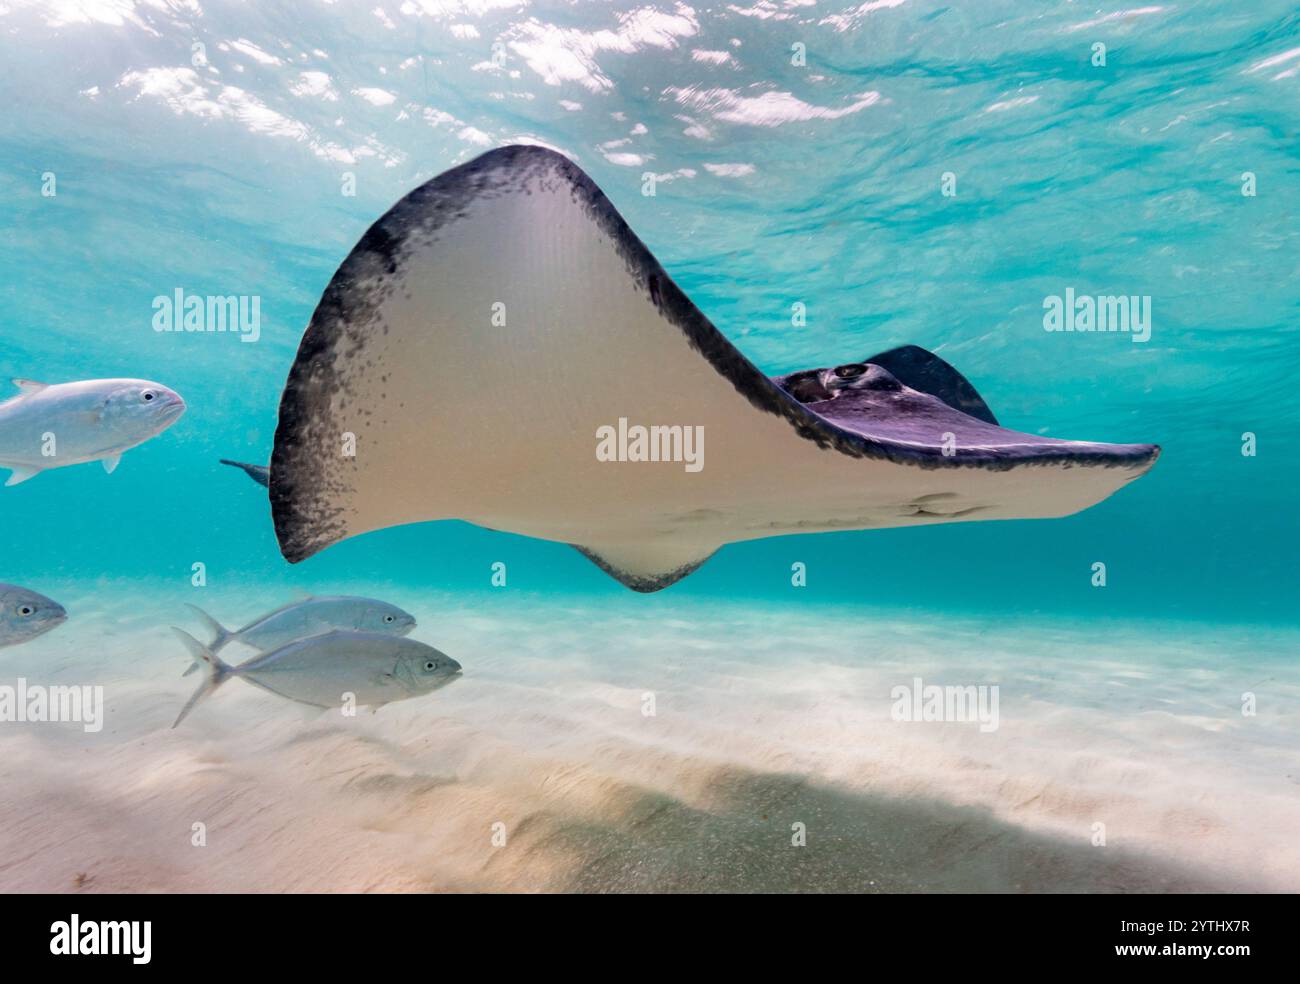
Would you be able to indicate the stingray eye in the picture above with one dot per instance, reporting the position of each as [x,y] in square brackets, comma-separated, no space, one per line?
[25,610]
[148,396]
[430,666]
[850,371]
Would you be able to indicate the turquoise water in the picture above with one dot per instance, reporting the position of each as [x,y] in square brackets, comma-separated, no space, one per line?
[802,150]
[225,178]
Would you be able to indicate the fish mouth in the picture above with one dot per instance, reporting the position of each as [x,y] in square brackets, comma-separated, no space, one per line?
[48,624]
[449,679]
[172,409]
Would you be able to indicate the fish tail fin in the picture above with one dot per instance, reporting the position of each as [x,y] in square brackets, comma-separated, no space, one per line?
[221,636]
[205,657]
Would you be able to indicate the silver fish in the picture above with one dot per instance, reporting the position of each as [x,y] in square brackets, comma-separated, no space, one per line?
[25,614]
[313,616]
[46,426]
[376,669]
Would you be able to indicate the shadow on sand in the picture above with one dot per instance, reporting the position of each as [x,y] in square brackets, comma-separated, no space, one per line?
[739,840]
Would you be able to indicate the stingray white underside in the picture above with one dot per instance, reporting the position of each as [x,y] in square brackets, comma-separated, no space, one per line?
[476,356]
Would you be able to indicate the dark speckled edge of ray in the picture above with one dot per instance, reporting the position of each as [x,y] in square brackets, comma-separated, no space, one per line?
[305,520]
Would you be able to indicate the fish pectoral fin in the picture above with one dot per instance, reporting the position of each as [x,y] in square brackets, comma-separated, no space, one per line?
[111,462]
[649,565]
[20,473]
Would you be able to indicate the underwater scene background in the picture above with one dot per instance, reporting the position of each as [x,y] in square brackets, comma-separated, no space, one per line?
[801,151]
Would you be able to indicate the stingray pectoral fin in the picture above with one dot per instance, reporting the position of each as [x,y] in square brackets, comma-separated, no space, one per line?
[984,471]
[463,358]
[650,565]
[913,366]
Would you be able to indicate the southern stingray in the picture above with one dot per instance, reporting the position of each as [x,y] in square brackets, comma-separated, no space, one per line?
[485,333]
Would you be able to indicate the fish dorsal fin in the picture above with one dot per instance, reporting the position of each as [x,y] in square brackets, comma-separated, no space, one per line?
[30,385]
[263,619]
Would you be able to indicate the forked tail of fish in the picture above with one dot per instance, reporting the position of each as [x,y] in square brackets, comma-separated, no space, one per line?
[220,635]
[205,657]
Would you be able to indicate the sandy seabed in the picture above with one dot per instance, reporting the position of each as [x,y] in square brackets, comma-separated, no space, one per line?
[541,771]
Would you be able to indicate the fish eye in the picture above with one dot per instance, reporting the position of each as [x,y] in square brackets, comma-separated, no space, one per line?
[850,371]
[388,618]
[430,666]
[25,610]
[148,396]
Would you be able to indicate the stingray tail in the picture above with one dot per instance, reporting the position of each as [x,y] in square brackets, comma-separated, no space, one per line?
[260,474]
[220,634]
[217,671]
